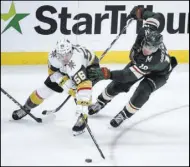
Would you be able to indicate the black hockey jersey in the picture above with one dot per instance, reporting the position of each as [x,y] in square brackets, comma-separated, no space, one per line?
[140,65]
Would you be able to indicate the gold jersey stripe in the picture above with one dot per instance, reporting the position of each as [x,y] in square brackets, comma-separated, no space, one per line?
[63,80]
[50,71]
[85,84]
[35,98]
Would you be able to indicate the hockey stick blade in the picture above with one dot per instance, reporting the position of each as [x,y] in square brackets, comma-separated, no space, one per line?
[39,120]
[78,133]
[47,112]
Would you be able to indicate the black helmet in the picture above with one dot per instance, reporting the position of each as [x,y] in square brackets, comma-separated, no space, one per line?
[153,38]
[151,42]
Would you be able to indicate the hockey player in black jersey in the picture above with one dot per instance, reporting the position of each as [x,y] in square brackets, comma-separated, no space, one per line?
[150,63]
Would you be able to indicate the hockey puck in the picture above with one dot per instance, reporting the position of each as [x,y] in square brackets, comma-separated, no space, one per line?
[88,160]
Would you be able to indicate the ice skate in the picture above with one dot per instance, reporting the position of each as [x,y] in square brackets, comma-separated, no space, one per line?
[118,119]
[95,108]
[19,114]
[80,125]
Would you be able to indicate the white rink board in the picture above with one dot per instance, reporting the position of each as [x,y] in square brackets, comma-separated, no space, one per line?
[31,41]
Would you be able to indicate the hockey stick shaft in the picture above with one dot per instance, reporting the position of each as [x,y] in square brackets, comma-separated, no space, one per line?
[47,112]
[93,138]
[58,108]
[39,120]
[87,126]
[117,37]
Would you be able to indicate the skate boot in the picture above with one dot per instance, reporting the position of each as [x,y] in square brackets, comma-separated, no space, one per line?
[95,108]
[19,114]
[80,125]
[118,119]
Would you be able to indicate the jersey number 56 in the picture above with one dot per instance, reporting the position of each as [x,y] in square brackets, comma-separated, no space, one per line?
[79,77]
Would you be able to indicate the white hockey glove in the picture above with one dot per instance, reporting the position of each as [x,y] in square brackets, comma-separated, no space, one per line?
[84,99]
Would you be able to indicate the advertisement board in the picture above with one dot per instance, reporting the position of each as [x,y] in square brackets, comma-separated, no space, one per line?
[30,29]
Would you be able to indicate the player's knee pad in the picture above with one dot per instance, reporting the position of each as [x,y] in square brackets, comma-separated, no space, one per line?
[38,96]
[53,85]
[157,82]
[126,87]
[44,92]
[142,93]
[114,88]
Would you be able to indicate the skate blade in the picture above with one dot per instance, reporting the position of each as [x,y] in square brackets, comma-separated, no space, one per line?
[78,133]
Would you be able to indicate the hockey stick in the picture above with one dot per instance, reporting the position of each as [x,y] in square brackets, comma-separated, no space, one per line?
[46,112]
[93,138]
[124,28]
[39,120]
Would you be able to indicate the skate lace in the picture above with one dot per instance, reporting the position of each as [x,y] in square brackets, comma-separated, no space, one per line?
[97,106]
[79,121]
[119,118]
[21,113]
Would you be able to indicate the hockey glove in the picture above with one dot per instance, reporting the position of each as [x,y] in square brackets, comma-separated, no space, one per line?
[137,12]
[68,86]
[84,97]
[72,92]
[99,73]
[173,61]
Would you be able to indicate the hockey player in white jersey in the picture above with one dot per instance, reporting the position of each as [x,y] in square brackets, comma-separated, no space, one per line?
[67,66]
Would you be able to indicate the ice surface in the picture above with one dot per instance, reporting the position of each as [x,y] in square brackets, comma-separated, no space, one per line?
[157,135]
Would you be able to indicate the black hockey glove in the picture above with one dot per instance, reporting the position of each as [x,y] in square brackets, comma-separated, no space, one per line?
[137,12]
[97,74]
[174,62]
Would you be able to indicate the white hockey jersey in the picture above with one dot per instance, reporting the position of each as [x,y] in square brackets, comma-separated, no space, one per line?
[75,70]
[81,58]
